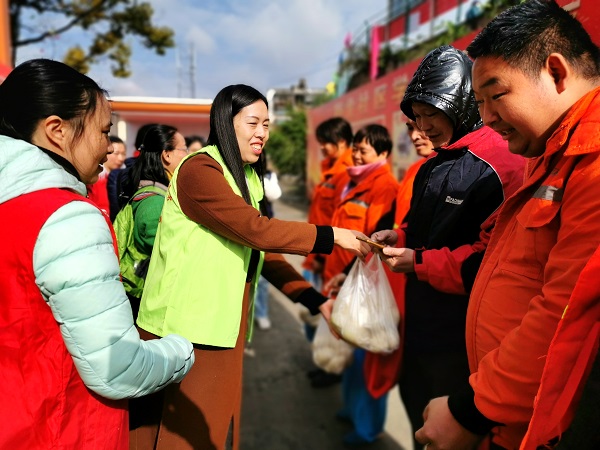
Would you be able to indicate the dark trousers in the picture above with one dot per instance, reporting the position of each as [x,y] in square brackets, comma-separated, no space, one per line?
[427,376]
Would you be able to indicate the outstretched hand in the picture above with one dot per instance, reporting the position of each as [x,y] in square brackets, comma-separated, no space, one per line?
[397,259]
[387,237]
[347,240]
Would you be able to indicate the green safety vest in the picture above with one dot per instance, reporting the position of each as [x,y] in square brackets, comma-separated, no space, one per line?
[196,279]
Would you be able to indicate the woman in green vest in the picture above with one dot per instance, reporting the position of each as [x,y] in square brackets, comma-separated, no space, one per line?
[145,185]
[212,244]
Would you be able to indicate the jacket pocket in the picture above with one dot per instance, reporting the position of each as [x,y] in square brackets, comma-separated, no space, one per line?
[352,215]
[533,237]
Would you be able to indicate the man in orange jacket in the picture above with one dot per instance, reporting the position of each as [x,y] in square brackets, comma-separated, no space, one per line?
[335,138]
[536,78]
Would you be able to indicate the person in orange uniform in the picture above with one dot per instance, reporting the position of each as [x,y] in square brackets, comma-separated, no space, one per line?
[335,137]
[536,77]
[365,193]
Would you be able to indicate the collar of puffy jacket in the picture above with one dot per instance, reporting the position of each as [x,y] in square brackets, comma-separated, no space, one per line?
[25,168]
[443,80]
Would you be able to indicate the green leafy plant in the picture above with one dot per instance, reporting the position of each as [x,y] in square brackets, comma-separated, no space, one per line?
[109,22]
[287,144]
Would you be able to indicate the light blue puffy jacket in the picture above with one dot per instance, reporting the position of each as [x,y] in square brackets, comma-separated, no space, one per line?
[77,272]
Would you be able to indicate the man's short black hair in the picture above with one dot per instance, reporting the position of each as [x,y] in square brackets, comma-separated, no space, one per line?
[525,35]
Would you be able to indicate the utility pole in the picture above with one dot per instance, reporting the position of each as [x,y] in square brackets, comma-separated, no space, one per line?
[192,70]
[178,69]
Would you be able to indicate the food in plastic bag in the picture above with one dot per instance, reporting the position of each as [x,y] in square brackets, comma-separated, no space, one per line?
[365,312]
[329,353]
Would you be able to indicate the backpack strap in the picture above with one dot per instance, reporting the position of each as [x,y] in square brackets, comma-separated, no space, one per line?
[147,191]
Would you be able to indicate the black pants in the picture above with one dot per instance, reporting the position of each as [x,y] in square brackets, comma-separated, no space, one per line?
[427,376]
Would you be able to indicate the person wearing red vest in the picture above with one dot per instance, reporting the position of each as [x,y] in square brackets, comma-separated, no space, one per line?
[536,77]
[69,352]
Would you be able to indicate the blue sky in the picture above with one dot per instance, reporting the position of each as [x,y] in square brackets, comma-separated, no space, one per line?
[264,43]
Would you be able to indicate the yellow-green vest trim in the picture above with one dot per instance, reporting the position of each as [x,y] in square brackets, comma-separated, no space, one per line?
[196,279]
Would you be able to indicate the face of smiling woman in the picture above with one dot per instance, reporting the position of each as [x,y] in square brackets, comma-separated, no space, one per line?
[251,126]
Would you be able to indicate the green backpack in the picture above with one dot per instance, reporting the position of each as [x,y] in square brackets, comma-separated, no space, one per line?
[133,263]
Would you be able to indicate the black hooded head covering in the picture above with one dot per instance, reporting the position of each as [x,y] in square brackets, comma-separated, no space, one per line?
[443,80]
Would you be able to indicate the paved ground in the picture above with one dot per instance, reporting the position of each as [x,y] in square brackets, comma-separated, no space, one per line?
[281,411]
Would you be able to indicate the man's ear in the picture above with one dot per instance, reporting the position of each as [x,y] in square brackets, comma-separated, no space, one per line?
[560,71]
[56,131]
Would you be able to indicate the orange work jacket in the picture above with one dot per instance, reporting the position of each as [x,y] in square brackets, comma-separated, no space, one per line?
[323,203]
[360,210]
[544,236]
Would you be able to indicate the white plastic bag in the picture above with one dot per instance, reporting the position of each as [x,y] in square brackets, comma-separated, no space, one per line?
[365,312]
[329,353]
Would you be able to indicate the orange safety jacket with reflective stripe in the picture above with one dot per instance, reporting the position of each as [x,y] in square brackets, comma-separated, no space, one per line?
[361,209]
[322,205]
[569,360]
[544,235]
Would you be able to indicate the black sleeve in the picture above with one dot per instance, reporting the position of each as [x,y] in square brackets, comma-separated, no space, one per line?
[312,299]
[324,240]
[462,406]
[469,269]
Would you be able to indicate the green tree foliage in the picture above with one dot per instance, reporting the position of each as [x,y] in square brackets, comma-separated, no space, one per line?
[109,21]
[287,144]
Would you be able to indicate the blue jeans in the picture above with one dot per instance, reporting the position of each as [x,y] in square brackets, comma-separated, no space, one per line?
[366,413]
[261,300]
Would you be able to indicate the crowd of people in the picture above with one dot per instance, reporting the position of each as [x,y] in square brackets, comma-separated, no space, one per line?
[135,283]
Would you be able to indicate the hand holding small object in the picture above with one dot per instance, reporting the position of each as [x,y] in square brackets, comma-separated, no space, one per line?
[387,237]
[347,240]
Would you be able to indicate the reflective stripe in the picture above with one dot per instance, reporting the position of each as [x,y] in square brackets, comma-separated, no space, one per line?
[359,202]
[328,185]
[551,193]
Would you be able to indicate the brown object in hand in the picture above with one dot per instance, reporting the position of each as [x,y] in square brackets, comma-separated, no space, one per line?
[372,243]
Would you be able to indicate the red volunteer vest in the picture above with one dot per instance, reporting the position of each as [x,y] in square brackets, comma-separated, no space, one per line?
[43,401]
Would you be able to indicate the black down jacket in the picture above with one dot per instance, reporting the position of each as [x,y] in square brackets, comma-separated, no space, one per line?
[454,194]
